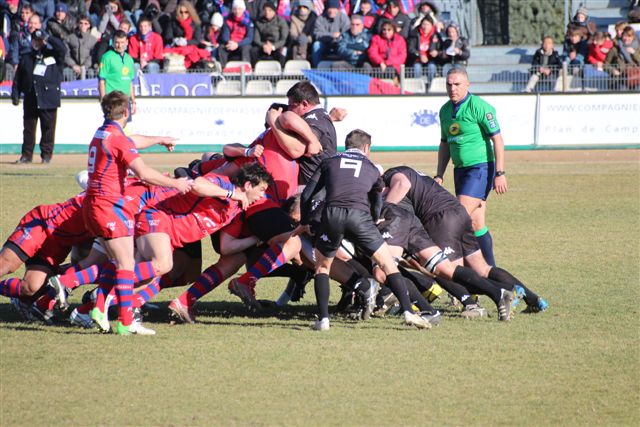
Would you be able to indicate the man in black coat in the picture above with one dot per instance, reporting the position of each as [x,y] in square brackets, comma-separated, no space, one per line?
[38,77]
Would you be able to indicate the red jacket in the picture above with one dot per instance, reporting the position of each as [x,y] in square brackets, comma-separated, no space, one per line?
[150,49]
[392,52]
[596,54]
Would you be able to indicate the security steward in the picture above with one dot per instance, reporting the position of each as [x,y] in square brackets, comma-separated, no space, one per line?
[38,78]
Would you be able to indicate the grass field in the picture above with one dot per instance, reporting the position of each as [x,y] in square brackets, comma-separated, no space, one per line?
[569,228]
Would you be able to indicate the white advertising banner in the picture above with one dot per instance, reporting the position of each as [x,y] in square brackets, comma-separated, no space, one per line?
[602,119]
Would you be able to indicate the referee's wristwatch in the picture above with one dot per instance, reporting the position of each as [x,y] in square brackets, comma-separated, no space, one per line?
[500,173]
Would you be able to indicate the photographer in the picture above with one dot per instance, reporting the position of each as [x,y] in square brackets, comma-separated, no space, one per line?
[38,77]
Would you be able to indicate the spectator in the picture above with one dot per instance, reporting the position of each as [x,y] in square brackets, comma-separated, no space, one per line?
[353,45]
[270,36]
[545,66]
[427,9]
[303,21]
[110,17]
[237,35]
[212,34]
[623,60]
[368,15]
[388,51]
[38,77]
[328,29]
[593,72]
[185,26]
[76,8]
[580,22]
[619,28]
[422,48]
[454,50]
[20,40]
[254,8]
[62,24]
[393,13]
[575,51]
[79,59]
[145,47]
[44,8]
[132,10]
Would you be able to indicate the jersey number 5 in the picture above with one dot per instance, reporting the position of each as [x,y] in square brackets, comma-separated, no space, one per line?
[351,164]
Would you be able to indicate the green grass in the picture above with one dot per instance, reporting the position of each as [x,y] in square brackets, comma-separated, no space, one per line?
[570,230]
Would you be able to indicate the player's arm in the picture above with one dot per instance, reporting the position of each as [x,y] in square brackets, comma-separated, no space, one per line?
[500,181]
[205,188]
[236,149]
[102,89]
[293,134]
[152,176]
[132,98]
[145,141]
[314,185]
[399,186]
[443,159]
[230,245]
[375,198]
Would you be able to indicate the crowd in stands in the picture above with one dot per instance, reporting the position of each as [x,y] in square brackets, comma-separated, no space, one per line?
[604,62]
[352,34]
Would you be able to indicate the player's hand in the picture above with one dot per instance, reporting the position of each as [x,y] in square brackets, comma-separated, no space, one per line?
[183,185]
[338,114]
[272,116]
[255,151]
[169,142]
[438,180]
[241,198]
[301,229]
[500,184]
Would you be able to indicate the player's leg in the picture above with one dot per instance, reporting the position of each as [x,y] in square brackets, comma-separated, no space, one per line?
[481,231]
[322,290]
[120,250]
[10,260]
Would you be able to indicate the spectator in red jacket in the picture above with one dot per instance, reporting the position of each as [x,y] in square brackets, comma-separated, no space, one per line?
[599,47]
[145,47]
[237,35]
[388,51]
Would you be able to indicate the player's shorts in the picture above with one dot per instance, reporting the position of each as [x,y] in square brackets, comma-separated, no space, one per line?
[403,229]
[29,235]
[451,230]
[182,230]
[353,224]
[107,218]
[269,223]
[193,250]
[475,181]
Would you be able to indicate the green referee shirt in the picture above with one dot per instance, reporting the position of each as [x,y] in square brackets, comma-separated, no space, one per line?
[468,127]
[116,71]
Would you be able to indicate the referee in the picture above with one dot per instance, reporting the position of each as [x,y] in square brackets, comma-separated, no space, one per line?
[468,128]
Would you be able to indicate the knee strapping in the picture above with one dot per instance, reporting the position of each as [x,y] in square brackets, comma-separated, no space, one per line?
[433,262]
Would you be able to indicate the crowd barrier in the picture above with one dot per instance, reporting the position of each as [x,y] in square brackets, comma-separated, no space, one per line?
[397,123]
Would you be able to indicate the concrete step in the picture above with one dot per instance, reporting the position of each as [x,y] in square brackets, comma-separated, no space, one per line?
[504,87]
[491,55]
[498,73]
[599,4]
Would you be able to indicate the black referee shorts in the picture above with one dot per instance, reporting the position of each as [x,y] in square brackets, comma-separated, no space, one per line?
[353,224]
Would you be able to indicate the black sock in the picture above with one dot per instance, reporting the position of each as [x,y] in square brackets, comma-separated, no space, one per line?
[321,286]
[420,281]
[417,298]
[356,283]
[476,284]
[457,290]
[395,281]
[486,245]
[508,279]
[285,270]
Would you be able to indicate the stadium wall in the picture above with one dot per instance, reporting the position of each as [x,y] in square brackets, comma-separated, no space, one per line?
[397,123]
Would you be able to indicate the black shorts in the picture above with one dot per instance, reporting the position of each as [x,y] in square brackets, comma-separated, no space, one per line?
[17,250]
[402,228]
[193,250]
[355,225]
[269,223]
[451,230]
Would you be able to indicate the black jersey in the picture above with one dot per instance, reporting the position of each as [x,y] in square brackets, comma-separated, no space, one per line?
[425,196]
[351,181]
[322,127]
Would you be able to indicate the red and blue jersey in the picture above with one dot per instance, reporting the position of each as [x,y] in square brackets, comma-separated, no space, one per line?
[110,154]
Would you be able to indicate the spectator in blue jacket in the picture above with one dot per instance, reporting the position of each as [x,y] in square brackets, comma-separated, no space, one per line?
[353,45]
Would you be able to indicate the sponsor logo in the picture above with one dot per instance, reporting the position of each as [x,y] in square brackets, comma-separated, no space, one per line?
[492,124]
[454,129]
[154,222]
[100,134]
[489,116]
[324,238]
[111,226]
[424,118]
[311,116]
[448,251]
[386,235]
[125,71]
